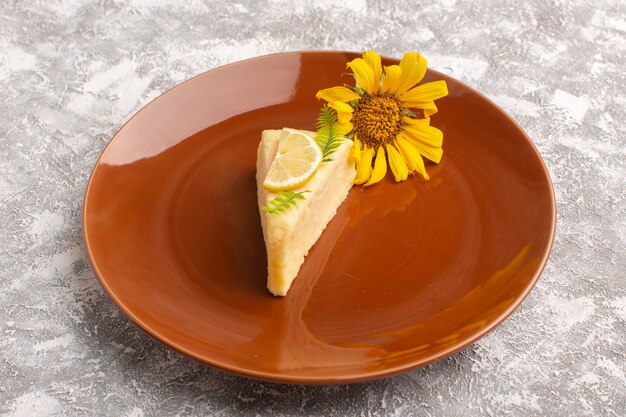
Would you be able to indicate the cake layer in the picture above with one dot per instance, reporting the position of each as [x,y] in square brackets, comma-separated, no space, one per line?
[289,235]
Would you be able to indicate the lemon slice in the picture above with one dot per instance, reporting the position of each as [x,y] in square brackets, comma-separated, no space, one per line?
[296,160]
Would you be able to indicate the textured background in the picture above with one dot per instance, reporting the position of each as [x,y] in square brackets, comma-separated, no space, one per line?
[71,73]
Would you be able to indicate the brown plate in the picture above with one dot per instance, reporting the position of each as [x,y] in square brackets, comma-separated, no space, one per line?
[404,275]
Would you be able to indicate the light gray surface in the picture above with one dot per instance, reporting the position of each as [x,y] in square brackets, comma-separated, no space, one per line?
[71,73]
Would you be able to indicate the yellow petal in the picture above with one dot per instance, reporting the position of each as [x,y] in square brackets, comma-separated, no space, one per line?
[373,60]
[429,135]
[397,164]
[424,93]
[413,69]
[344,117]
[428,107]
[411,156]
[430,152]
[364,167]
[342,129]
[355,151]
[364,75]
[340,106]
[342,94]
[416,122]
[391,82]
[380,167]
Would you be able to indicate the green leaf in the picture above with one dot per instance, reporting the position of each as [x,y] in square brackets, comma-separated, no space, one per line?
[329,135]
[283,201]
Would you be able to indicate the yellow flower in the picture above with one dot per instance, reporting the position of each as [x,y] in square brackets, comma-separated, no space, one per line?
[376,114]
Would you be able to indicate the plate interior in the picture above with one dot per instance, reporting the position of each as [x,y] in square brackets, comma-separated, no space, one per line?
[404,274]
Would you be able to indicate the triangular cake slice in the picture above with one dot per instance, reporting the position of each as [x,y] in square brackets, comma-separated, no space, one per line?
[289,235]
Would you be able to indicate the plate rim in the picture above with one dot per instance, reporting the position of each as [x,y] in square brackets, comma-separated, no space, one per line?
[317,380]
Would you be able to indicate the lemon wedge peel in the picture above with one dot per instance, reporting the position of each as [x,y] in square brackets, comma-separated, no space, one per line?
[297,159]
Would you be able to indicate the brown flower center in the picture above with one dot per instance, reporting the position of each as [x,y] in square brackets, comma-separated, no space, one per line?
[377,120]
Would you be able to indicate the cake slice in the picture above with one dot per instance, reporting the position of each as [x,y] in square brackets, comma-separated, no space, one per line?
[290,234]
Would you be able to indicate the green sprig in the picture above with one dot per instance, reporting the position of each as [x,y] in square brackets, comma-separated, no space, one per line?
[283,201]
[329,132]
